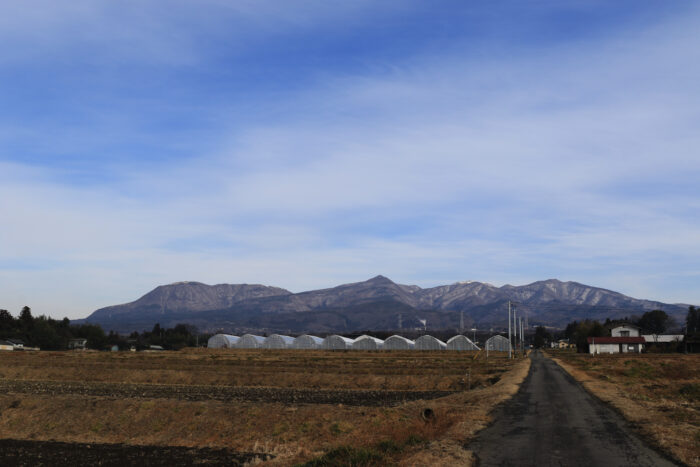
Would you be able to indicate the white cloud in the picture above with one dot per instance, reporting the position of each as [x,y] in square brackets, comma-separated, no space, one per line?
[437,171]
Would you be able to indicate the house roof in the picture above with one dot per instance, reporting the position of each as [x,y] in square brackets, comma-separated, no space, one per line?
[616,340]
[622,325]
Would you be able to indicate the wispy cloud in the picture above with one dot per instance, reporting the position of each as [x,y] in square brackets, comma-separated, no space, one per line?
[572,159]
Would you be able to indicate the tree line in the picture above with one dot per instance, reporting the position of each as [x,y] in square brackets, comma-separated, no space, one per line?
[653,322]
[51,334]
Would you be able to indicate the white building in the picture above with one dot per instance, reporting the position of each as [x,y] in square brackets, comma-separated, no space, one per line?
[396,342]
[336,342]
[307,341]
[222,341]
[367,343]
[430,343]
[460,342]
[625,330]
[278,341]
[497,343]
[250,341]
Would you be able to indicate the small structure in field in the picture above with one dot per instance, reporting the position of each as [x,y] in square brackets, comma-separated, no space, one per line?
[336,342]
[497,344]
[222,341]
[396,342]
[250,341]
[77,344]
[367,343]
[307,342]
[4,345]
[277,341]
[460,342]
[17,344]
[430,343]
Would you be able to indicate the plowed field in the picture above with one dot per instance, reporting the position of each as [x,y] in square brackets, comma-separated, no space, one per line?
[286,406]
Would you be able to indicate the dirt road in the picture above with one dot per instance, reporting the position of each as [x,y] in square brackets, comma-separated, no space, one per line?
[553,421]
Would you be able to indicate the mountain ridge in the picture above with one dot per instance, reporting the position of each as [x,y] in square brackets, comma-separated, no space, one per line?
[376,302]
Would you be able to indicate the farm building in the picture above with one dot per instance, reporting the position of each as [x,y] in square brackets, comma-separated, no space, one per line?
[430,343]
[625,344]
[625,330]
[278,341]
[77,344]
[460,342]
[307,342]
[222,341]
[336,342]
[663,338]
[398,343]
[498,344]
[250,341]
[367,343]
[4,345]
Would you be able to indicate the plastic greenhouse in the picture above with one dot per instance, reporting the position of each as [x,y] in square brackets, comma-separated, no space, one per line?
[367,343]
[497,343]
[222,341]
[430,343]
[336,342]
[396,342]
[461,342]
[250,341]
[307,341]
[278,341]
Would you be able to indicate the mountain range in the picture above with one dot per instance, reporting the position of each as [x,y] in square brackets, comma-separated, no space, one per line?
[375,304]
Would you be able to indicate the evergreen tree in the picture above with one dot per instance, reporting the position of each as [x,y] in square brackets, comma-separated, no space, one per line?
[692,321]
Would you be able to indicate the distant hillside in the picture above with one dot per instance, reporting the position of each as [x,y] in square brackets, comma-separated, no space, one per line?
[375,304]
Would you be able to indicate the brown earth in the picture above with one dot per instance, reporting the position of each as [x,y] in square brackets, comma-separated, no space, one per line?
[299,406]
[658,393]
[51,453]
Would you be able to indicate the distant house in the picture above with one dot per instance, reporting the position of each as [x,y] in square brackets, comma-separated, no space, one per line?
[625,330]
[77,344]
[4,345]
[624,338]
[17,344]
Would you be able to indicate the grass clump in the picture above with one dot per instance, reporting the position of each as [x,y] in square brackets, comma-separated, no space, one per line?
[347,456]
[690,391]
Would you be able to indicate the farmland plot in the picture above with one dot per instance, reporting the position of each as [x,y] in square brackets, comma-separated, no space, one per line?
[285,406]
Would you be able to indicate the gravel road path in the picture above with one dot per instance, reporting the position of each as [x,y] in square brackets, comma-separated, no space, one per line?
[218,393]
[553,421]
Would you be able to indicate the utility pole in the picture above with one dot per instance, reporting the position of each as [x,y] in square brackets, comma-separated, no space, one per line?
[522,339]
[510,347]
[461,322]
[515,329]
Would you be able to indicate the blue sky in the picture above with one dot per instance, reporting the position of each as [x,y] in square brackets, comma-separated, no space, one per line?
[304,144]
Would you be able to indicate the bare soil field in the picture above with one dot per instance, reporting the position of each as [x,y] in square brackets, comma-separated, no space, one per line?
[51,453]
[414,408]
[659,393]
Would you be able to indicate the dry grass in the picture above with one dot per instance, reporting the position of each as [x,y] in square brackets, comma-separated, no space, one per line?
[659,393]
[293,433]
[293,369]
